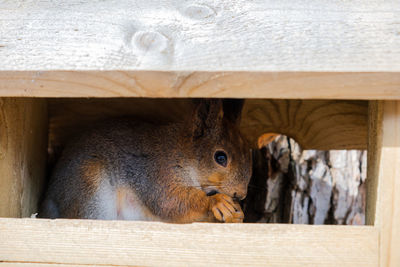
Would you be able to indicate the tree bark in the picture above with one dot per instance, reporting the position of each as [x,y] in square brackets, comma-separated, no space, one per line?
[306,187]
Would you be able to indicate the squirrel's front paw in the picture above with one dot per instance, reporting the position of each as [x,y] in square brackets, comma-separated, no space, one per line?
[225,209]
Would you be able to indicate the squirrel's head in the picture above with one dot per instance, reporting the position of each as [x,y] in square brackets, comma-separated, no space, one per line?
[222,156]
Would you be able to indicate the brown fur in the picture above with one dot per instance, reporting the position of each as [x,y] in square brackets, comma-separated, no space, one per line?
[91,173]
[160,172]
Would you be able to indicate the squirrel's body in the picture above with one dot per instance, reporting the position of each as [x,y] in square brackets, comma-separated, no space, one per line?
[139,171]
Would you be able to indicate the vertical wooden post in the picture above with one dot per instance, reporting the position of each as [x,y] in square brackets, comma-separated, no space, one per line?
[383,204]
[23,143]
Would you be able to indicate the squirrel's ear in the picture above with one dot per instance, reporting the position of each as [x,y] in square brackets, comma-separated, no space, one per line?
[208,114]
[233,110]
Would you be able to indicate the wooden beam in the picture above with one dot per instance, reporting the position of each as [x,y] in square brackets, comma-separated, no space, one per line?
[157,84]
[375,113]
[83,242]
[37,264]
[266,49]
[384,174]
[23,147]
[208,36]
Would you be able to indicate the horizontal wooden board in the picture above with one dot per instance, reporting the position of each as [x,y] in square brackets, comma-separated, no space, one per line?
[156,84]
[222,35]
[41,264]
[38,264]
[151,243]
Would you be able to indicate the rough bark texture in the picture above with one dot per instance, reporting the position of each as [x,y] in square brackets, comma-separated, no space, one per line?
[308,187]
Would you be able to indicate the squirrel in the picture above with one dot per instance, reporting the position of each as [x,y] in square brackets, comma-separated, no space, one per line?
[192,171]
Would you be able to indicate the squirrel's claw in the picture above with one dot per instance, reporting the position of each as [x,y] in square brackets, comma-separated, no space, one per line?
[225,210]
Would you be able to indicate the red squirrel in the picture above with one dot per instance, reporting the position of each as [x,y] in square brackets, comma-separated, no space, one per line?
[193,171]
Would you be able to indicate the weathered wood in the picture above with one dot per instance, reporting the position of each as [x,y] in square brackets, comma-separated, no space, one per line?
[23,147]
[210,36]
[289,85]
[293,55]
[144,243]
[385,173]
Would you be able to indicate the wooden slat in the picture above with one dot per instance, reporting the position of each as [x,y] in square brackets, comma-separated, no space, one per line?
[375,113]
[23,147]
[289,85]
[288,35]
[38,264]
[277,49]
[384,178]
[146,243]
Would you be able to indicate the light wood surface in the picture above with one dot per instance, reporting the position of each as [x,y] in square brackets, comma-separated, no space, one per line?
[23,147]
[281,85]
[144,243]
[287,35]
[37,264]
[384,177]
[265,49]
[314,124]
[40,264]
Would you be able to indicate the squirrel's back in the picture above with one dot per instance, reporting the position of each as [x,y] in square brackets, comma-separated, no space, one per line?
[101,166]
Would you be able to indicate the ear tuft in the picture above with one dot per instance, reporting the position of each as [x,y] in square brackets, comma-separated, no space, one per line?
[233,110]
[208,114]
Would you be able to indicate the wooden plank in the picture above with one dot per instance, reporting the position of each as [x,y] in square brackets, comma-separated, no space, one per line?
[23,146]
[288,35]
[386,177]
[289,85]
[37,264]
[152,243]
[41,264]
[375,112]
[322,124]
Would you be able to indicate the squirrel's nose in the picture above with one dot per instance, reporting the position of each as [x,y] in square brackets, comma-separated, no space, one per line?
[238,197]
[240,192]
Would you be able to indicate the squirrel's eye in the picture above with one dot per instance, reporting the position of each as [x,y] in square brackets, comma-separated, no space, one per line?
[221,158]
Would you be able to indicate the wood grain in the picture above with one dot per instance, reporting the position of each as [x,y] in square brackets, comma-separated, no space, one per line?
[23,143]
[39,264]
[209,36]
[313,124]
[275,85]
[375,113]
[386,179]
[143,243]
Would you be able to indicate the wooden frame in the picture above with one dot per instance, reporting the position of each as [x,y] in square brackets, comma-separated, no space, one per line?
[54,241]
[84,242]
[269,50]
[384,185]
